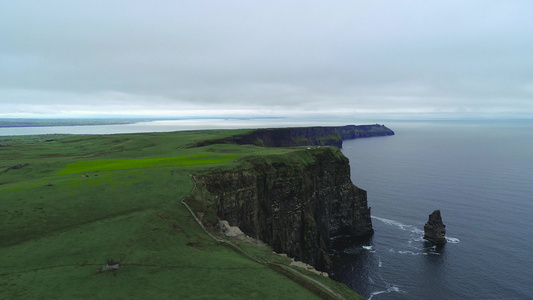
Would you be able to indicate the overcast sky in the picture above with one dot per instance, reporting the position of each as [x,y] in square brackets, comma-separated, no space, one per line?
[268,58]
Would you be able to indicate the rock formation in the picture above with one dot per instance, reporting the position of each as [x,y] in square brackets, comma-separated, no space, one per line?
[435,230]
[295,203]
[302,136]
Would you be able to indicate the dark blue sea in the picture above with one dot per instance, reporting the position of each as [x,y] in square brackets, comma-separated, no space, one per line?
[480,176]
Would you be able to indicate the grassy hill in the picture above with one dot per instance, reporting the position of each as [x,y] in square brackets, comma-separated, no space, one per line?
[69,205]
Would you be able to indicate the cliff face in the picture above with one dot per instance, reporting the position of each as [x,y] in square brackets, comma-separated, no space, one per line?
[303,136]
[295,204]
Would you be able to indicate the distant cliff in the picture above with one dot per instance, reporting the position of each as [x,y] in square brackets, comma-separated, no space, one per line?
[295,202]
[302,136]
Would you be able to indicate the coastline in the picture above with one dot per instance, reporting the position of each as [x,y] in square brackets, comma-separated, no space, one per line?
[137,178]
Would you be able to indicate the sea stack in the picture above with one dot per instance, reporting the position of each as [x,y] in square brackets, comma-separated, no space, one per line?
[435,230]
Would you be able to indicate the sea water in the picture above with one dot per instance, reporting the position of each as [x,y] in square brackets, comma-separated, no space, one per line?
[480,176]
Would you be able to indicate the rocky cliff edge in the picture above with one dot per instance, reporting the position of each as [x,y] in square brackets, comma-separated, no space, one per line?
[295,203]
[302,136]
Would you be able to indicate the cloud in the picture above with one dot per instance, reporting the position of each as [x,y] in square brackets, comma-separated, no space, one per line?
[272,57]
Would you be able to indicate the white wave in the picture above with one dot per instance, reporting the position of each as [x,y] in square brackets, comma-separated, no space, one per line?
[394,289]
[411,252]
[367,247]
[412,229]
[390,288]
[452,240]
[402,226]
[376,293]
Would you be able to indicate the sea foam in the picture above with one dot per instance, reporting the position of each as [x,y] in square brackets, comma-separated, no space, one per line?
[452,240]
[412,229]
[390,288]
[400,225]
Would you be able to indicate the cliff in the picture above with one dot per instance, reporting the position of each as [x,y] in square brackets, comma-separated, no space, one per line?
[302,136]
[295,202]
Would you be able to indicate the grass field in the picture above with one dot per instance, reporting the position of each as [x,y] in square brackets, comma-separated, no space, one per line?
[71,204]
[125,164]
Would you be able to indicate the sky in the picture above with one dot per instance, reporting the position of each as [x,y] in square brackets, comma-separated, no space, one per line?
[266,58]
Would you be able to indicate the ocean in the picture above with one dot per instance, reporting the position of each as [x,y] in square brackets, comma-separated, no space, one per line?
[480,176]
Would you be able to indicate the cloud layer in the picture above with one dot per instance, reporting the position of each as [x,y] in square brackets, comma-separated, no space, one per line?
[87,58]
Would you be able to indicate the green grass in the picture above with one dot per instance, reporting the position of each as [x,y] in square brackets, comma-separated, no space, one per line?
[122,164]
[84,200]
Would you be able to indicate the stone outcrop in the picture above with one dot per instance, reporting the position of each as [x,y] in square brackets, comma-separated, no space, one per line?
[295,203]
[435,230]
[302,136]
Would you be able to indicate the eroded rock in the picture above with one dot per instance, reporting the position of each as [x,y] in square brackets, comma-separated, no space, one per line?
[228,230]
[295,207]
[435,230]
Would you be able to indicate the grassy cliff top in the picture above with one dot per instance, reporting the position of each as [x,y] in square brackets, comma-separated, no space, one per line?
[71,206]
